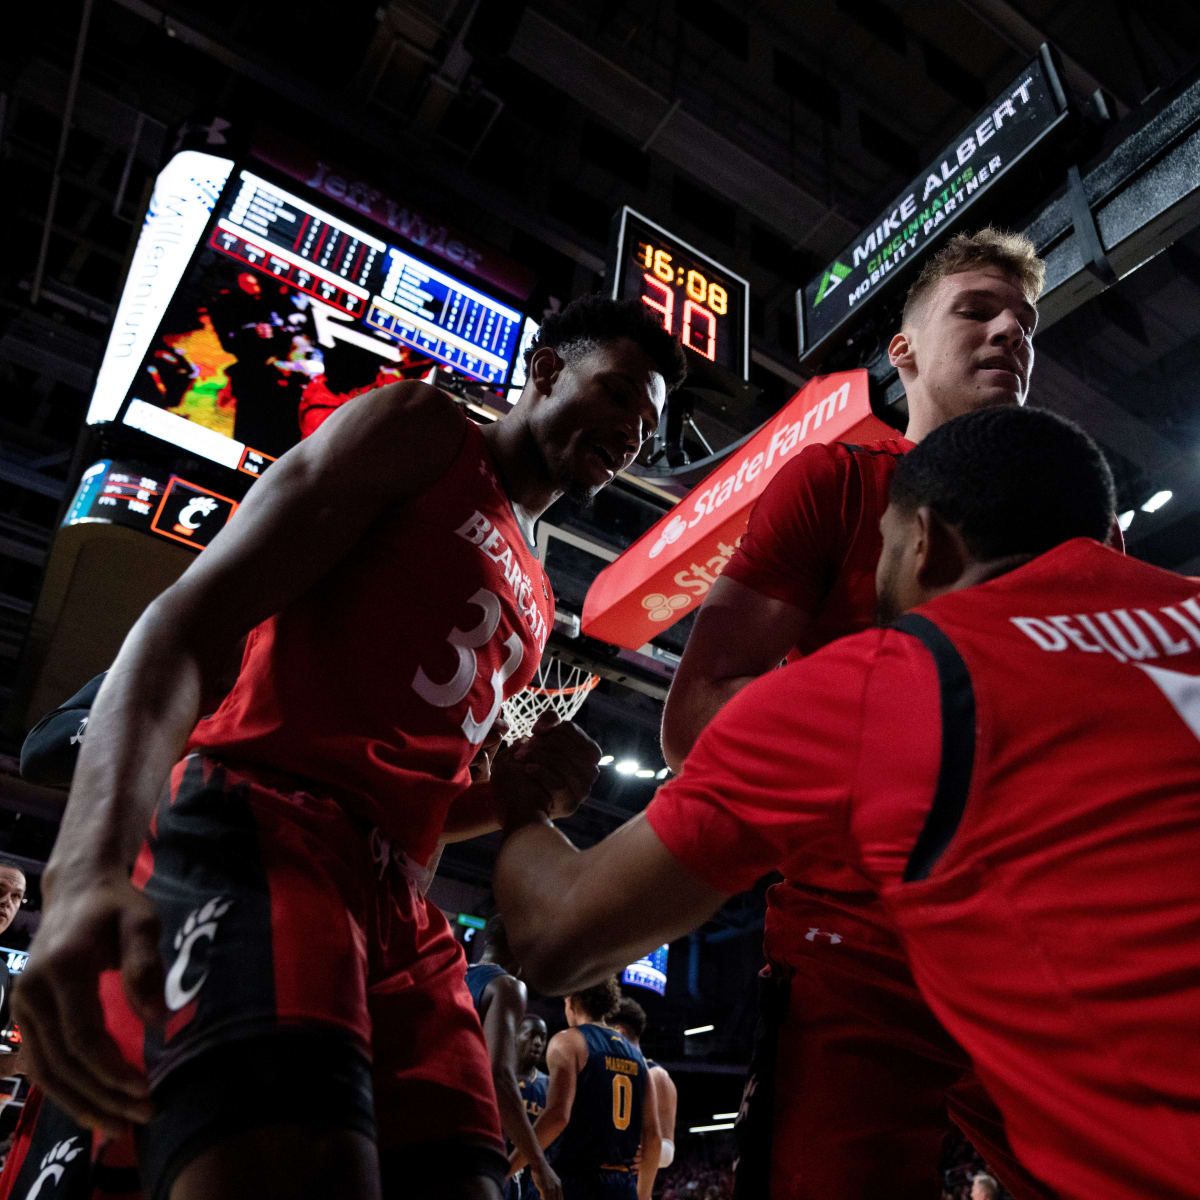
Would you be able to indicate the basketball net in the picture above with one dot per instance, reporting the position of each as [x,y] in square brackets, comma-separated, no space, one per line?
[555,686]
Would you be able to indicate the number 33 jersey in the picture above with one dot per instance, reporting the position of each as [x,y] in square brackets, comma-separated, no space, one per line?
[380,683]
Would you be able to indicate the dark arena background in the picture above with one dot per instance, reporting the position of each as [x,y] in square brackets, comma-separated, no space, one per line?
[225,219]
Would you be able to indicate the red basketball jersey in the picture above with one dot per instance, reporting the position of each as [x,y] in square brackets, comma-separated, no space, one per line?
[1051,907]
[1015,769]
[382,680]
[813,541]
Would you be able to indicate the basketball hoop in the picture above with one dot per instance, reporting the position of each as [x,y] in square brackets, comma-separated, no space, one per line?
[555,686]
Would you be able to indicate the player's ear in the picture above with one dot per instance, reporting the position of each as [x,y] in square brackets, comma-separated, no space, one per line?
[900,351]
[545,366]
[942,555]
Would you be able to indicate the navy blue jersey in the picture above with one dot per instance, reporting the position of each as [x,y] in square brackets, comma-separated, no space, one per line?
[605,1127]
[533,1094]
[478,978]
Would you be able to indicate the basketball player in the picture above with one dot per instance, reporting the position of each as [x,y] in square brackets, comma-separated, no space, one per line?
[531,1045]
[1014,767]
[629,1019]
[802,576]
[598,1109]
[499,998]
[386,571]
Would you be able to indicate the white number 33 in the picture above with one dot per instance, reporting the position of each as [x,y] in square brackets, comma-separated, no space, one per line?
[465,643]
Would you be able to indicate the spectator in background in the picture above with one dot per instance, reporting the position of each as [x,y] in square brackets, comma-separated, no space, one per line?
[984,1187]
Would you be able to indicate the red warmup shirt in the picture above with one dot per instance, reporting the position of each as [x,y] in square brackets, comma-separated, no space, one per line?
[380,682]
[813,541]
[1015,768]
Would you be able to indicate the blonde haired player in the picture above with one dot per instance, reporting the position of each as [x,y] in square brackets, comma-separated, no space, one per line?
[842,1021]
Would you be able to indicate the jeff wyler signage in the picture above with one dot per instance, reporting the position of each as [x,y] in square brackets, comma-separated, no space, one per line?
[998,137]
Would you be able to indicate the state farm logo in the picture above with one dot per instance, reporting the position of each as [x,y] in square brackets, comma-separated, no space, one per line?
[663,608]
[674,529]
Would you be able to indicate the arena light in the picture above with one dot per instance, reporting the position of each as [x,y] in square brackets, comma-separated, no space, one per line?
[710,1128]
[1156,501]
[663,773]
[628,766]
[605,759]
[698,1029]
[1125,519]
[644,773]
[725,1116]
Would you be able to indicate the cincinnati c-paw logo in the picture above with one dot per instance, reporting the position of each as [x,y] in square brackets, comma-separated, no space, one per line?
[674,529]
[663,608]
[54,1165]
[200,925]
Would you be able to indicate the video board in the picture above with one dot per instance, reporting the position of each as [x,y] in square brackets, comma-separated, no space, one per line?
[284,312]
[650,971]
[157,502]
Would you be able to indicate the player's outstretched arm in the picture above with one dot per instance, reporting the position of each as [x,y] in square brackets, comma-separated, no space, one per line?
[296,523]
[502,1019]
[739,635]
[573,918]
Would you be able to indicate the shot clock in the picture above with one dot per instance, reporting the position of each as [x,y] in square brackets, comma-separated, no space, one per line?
[693,296]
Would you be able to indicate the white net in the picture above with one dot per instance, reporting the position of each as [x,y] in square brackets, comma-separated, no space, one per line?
[557,686]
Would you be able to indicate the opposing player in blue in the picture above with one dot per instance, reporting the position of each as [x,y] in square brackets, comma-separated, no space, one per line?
[534,1083]
[499,997]
[597,1106]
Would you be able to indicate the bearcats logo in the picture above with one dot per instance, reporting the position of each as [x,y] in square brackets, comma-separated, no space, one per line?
[54,1165]
[200,924]
[675,528]
[663,608]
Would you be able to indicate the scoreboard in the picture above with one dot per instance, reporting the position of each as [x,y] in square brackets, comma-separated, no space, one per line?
[250,314]
[694,296]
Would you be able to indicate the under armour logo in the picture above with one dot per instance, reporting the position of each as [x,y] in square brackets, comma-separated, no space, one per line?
[77,736]
[54,1165]
[201,924]
[814,933]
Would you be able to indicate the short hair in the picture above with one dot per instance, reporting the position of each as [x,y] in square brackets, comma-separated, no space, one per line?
[599,1000]
[989,1182]
[495,939]
[1011,480]
[588,322]
[5,861]
[1012,253]
[630,1014]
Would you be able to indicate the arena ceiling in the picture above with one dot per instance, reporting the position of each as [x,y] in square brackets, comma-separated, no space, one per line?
[766,132]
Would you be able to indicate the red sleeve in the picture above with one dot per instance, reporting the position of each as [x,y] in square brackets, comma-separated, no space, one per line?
[825,765]
[769,780]
[787,551]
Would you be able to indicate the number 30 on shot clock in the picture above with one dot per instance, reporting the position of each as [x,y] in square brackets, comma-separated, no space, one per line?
[694,297]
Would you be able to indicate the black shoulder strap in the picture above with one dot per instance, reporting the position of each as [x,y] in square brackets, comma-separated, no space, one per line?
[958,746]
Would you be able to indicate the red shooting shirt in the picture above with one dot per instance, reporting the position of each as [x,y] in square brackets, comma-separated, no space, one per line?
[381,681]
[813,537]
[1030,748]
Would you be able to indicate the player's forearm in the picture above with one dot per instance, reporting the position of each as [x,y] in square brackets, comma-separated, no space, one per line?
[648,1165]
[693,701]
[533,875]
[472,814]
[139,725]
[513,1119]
